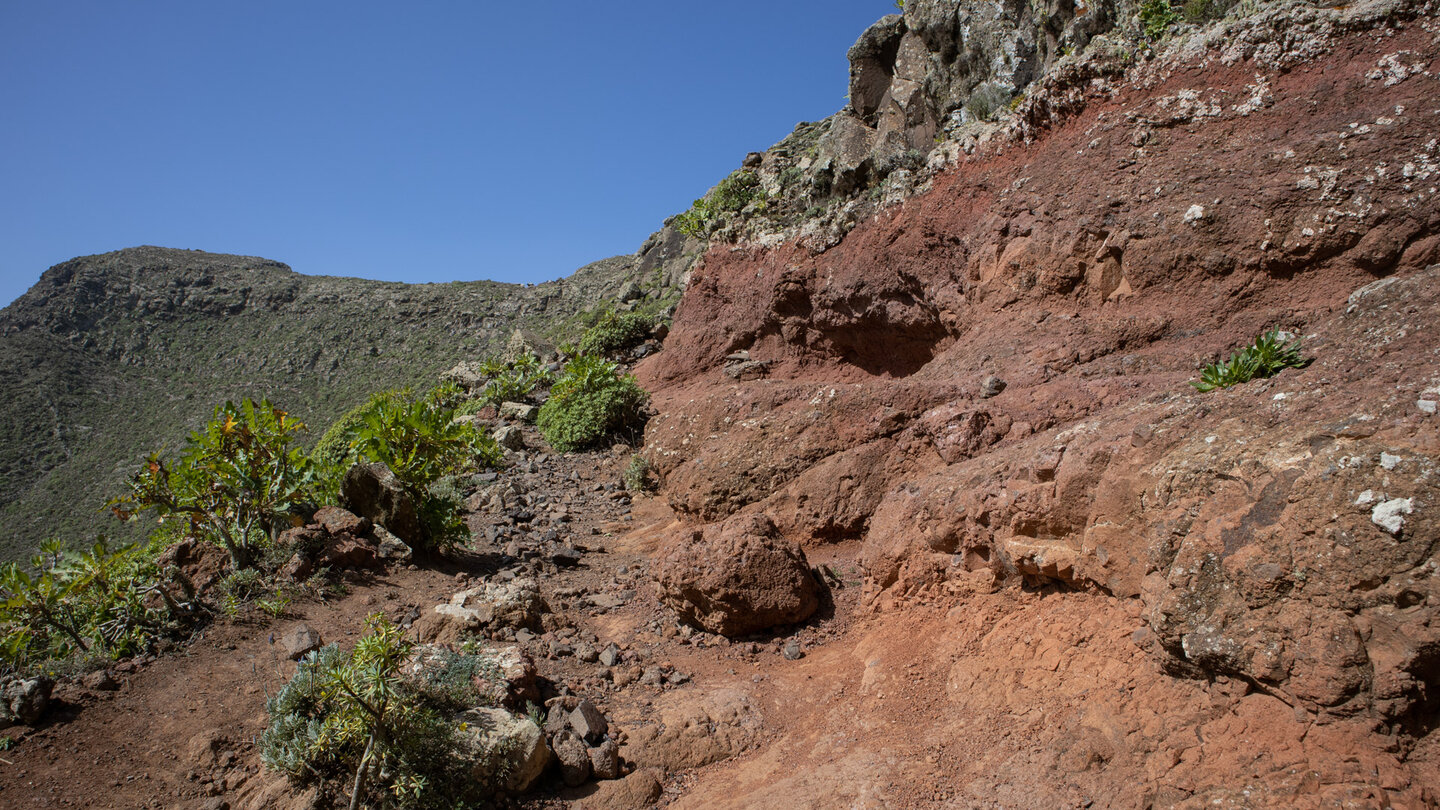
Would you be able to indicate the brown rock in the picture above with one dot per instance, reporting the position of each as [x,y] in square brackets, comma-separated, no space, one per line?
[299,640]
[638,790]
[335,520]
[736,578]
[372,491]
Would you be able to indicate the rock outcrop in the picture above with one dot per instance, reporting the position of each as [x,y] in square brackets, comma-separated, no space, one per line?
[736,577]
[986,384]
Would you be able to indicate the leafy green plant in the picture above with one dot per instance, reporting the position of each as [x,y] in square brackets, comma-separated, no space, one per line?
[590,402]
[1270,354]
[91,602]
[354,719]
[615,332]
[516,381]
[275,606]
[729,196]
[1156,18]
[1202,11]
[238,481]
[420,441]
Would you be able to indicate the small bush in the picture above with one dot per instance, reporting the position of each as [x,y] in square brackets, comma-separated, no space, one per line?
[638,475]
[350,722]
[729,196]
[1156,18]
[1270,354]
[591,402]
[614,333]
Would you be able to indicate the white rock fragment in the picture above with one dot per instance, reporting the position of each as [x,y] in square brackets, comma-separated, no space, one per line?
[1425,405]
[1368,496]
[1194,213]
[1390,515]
[1388,461]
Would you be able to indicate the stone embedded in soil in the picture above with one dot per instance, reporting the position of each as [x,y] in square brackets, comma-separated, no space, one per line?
[335,520]
[299,640]
[610,655]
[605,760]
[736,577]
[574,759]
[493,606]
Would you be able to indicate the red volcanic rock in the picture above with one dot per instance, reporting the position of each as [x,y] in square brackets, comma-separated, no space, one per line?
[737,577]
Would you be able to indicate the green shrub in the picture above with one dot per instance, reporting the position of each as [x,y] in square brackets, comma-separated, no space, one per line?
[729,196]
[420,441]
[591,402]
[238,481]
[1202,11]
[516,381]
[90,603]
[1270,354]
[614,333]
[638,475]
[1156,18]
[352,723]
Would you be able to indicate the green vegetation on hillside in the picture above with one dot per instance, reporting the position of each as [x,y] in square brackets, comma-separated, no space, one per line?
[1271,353]
[113,355]
[592,401]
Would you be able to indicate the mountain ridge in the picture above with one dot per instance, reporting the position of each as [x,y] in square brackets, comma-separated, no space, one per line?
[122,352]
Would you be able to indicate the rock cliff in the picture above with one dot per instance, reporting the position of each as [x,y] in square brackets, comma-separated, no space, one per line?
[982,377]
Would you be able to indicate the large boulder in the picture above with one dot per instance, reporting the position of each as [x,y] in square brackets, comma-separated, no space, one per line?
[24,701]
[506,750]
[372,491]
[505,675]
[492,606]
[736,577]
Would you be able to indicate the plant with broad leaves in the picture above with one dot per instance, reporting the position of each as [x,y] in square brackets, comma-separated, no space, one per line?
[238,481]
[93,601]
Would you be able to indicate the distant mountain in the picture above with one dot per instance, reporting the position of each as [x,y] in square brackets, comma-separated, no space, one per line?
[108,357]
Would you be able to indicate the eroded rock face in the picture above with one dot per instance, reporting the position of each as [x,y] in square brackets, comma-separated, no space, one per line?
[736,577]
[1278,536]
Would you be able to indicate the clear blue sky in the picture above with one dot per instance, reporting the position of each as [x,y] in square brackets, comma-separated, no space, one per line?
[422,141]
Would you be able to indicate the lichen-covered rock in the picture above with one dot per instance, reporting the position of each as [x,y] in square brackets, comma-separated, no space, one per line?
[24,700]
[505,675]
[500,742]
[514,604]
[736,577]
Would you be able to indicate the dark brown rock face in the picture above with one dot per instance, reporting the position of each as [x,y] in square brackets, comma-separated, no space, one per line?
[373,492]
[737,577]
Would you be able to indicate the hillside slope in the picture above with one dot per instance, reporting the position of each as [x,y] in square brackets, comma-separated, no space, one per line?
[118,354]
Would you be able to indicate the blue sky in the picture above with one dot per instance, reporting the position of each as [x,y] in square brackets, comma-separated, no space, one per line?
[423,141]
